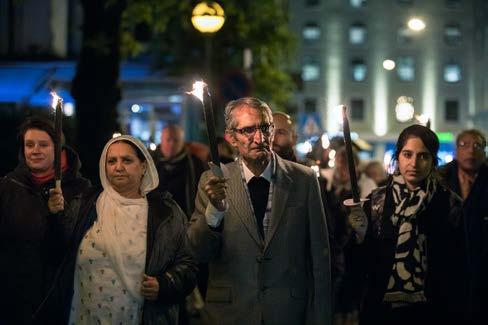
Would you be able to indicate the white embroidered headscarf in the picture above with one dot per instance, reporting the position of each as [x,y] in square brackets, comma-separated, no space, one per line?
[113,209]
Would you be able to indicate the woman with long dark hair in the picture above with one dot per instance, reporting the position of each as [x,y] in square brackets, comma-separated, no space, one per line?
[408,242]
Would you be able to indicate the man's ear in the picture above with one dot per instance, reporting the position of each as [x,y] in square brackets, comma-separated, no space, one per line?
[230,139]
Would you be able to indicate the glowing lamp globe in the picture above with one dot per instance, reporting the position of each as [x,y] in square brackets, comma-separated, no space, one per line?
[404,109]
[416,24]
[208,17]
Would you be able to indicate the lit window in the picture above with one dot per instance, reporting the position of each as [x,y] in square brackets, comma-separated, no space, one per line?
[357,109]
[357,33]
[452,34]
[358,3]
[452,72]
[451,112]
[404,35]
[311,31]
[406,68]
[359,70]
[310,72]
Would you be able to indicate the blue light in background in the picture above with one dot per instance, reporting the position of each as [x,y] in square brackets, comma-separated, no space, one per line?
[30,81]
[134,71]
[18,83]
[176,109]
[43,97]
[136,108]
[175,99]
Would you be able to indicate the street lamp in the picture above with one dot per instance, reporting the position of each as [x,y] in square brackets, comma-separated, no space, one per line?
[416,24]
[208,18]
[405,112]
[389,64]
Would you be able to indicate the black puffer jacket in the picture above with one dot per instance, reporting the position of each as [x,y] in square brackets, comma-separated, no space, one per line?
[167,253]
[179,176]
[27,266]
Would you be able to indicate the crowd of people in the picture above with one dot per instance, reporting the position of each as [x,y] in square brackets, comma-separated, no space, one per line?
[165,241]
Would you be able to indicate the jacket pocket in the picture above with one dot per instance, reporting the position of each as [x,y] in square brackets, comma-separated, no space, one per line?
[219,295]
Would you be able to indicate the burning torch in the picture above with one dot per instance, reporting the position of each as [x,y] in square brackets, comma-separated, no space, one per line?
[200,91]
[57,105]
[355,200]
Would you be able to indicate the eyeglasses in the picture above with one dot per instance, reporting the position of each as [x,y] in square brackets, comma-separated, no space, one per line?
[476,146]
[266,129]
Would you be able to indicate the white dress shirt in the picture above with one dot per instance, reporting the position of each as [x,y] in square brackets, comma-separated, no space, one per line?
[213,216]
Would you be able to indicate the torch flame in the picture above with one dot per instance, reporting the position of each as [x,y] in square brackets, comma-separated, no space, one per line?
[198,90]
[56,99]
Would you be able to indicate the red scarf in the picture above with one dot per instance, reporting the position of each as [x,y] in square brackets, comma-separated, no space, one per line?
[44,177]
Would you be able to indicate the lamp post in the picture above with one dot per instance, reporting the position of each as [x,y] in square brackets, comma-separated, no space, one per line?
[208,18]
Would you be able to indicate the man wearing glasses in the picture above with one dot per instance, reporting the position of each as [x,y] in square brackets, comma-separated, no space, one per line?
[467,175]
[262,229]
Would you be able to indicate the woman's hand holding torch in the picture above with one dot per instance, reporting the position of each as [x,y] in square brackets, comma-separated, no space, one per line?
[56,200]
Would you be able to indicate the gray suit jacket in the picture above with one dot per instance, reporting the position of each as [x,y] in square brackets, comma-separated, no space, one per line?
[282,280]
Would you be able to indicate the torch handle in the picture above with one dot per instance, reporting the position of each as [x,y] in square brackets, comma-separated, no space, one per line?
[350,159]
[58,185]
[210,123]
[58,127]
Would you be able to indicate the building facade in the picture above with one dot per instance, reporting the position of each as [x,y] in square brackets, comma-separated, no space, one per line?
[438,71]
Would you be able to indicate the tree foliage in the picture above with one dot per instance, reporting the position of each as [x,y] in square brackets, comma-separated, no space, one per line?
[117,29]
[261,26]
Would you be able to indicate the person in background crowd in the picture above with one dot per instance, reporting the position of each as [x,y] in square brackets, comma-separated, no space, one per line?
[128,260]
[375,170]
[178,169]
[226,152]
[27,267]
[285,136]
[262,229]
[335,190]
[199,150]
[467,175]
[341,182]
[408,246]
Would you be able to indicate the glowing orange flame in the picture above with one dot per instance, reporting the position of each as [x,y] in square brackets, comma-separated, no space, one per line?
[198,90]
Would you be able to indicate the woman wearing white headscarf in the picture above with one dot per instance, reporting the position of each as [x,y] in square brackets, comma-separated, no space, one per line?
[129,262]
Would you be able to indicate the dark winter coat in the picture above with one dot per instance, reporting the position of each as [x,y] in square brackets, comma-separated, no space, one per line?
[179,176]
[476,222]
[167,253]
[27,266]
[445,280]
